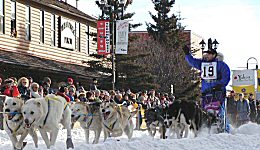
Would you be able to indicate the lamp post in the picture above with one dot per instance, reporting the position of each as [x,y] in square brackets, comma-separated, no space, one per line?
[210,44]
[256,62]
[112,8]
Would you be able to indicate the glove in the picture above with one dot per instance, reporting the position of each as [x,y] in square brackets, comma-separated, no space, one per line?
[186,50]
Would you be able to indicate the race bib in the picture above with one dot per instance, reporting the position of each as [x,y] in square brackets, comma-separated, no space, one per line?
[209,70]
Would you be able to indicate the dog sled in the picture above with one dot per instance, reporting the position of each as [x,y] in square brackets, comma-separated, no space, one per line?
[215,104]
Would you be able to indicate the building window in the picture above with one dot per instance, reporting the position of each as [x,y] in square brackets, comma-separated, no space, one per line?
[13,19]
[28,23]
[2,16]
[87,39]
[78,36]
[53,30]
[42,26]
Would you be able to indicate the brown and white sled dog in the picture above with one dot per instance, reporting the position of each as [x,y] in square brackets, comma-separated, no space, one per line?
[116,120]
[14,125]
[45,114]
[89,117]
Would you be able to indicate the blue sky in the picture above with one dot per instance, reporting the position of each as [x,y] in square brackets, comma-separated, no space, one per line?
[234,23]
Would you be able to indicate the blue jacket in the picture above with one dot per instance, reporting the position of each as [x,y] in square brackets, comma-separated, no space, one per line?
[223,74]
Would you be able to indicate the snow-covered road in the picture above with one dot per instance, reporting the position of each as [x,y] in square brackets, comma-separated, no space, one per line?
[247,137]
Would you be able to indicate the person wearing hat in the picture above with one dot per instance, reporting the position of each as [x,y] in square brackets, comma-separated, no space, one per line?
[82,96]
[215,74]
[10,89]
[253,107]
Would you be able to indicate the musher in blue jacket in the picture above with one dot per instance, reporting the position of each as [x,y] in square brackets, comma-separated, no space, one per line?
[215,74]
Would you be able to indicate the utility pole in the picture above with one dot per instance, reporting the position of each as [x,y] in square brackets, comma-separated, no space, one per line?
[112,8]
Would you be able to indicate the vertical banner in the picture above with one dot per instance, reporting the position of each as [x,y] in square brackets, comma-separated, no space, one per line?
[243,77]
[258,80]
[122,27]
[103,37]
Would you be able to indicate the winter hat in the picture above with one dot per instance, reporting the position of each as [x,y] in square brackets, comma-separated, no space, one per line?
[70,80]
[106,93]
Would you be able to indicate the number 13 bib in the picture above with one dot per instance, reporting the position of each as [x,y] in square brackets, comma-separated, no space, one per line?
[209,70]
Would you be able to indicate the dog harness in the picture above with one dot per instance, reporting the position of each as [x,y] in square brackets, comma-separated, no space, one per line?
[16,129]
[111,127]
[55,99]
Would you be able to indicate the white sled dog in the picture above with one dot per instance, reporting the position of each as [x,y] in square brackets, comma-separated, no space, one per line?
[14,125]
[45,114]
[116,120]
[89,117]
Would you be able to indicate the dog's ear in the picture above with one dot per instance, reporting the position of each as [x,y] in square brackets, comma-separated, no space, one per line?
[38,104]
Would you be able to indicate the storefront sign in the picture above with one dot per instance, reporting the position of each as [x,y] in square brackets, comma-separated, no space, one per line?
[68,33]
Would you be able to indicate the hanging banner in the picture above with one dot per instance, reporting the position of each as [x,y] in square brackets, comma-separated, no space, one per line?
[258,80]
[122,28]
[244,89]
[103,37]
[243,77]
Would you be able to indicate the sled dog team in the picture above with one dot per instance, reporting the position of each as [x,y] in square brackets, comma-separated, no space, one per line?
[45,115]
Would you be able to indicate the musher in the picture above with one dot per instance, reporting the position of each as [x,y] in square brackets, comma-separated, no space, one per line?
[215,76]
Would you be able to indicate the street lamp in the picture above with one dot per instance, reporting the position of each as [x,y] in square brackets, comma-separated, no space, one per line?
[210,44]
[215,43]
[256,63]
[202,43]
[113,7]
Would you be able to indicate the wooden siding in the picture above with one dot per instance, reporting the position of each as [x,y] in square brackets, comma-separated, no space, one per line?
[92,44]
[35,47]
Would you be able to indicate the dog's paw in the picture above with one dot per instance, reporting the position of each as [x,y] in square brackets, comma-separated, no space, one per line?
[20,146]
[69,143]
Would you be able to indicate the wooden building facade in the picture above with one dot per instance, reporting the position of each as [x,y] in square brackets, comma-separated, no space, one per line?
[49,30]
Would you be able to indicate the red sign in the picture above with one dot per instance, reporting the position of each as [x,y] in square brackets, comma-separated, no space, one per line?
[103,37]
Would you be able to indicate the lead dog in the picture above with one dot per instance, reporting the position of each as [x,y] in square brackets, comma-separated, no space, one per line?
[89,117]
[14,125]
[154,118]
[116,120]
[45,114]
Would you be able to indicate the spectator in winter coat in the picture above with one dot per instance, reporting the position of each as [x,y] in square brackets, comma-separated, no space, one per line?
[9,89]
[97,96]
[243,110]
[253,108]
[47,86]
[82,96]
[72,94]
[232,108]
[23,87]
[35,91]
[62,93]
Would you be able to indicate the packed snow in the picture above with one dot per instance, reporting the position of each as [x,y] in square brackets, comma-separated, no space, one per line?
[246,137]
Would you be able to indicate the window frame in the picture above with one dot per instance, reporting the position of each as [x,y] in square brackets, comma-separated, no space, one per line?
[77,37]
[53,29]
[13,19]
[2,17]
[42,21]
[28,23]
[87,39]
